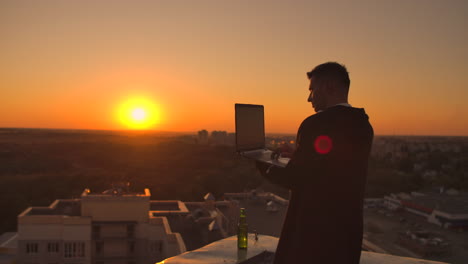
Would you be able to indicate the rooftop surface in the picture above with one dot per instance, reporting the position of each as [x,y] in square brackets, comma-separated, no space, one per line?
[225,251]
[164,206]
[72,207]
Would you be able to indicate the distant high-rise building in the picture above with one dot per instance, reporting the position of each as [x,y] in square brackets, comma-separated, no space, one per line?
[219,138]
[111,227]
[203,137]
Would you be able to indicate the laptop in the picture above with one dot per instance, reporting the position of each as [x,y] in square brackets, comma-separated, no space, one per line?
[250,135]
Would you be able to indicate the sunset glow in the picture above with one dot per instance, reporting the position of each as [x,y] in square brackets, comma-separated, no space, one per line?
[138,113]
[189,62]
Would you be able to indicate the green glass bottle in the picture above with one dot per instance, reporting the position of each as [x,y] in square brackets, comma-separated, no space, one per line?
[242,230]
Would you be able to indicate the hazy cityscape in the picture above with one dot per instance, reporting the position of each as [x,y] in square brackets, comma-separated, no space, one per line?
[416,200]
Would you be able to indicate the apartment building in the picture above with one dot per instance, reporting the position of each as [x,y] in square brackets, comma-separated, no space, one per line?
[115,226]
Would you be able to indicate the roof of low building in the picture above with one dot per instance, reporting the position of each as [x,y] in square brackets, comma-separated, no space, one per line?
[452,204]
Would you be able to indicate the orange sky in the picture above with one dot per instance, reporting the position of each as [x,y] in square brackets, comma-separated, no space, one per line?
[70,64]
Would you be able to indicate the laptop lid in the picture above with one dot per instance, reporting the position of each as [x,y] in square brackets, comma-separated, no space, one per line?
[250,127]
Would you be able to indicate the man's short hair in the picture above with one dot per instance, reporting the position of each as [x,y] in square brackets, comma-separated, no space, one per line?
[331,71]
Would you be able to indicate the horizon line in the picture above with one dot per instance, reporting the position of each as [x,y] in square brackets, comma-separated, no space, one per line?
[194,132]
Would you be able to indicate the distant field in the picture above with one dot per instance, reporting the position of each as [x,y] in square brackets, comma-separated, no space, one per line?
[39,166]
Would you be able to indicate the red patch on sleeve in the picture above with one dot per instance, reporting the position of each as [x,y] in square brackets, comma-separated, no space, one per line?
[323,144]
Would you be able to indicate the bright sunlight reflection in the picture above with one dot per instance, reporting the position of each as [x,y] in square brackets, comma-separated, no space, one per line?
[138,113]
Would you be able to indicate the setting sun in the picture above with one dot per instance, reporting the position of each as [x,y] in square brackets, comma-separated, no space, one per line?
[138,113]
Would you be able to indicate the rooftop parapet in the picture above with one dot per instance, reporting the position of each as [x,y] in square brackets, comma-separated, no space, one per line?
[164,208]
[64,207]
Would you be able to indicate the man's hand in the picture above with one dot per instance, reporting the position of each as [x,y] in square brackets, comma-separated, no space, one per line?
[285,151]
[262,167]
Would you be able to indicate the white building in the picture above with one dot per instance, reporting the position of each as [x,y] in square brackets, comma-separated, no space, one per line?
[448,209]
[112,227]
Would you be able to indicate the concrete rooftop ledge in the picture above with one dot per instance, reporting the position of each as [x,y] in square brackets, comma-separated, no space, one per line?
[261,251]
[379,258]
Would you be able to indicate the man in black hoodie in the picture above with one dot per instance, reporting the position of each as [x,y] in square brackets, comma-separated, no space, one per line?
[326,175]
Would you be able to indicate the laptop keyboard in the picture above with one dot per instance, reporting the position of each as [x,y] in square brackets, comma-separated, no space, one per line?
[260,155]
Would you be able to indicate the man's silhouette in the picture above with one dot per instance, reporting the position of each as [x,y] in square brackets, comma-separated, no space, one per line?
[326,175]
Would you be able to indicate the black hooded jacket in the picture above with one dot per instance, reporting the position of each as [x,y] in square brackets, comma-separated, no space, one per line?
[326,176]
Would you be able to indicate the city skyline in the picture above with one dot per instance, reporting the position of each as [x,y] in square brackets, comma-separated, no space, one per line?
[72,65]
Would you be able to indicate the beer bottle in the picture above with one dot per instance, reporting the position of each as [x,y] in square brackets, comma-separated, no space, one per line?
[242,230]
